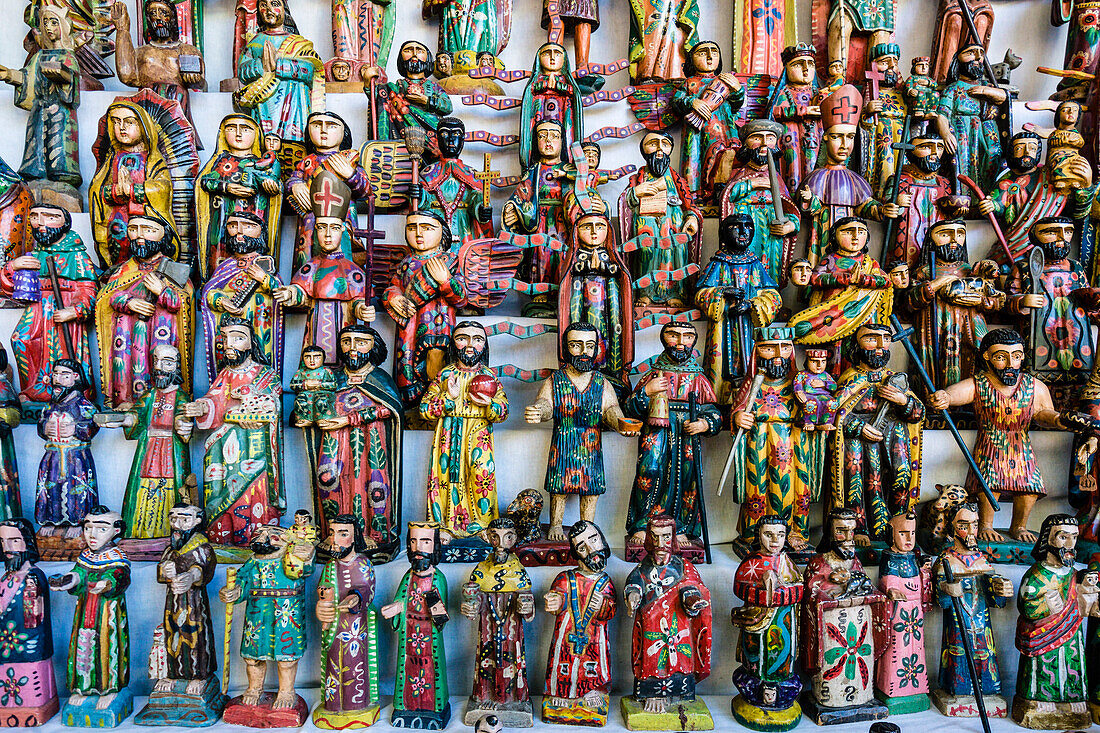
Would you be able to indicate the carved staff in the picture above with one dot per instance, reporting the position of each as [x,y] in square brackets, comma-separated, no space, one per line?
[693,414]
[55,285]
[900,148]
[969,183]
[902,334]
[230,583]
[773,180]
[754,389]
[964,632]
[1036,262]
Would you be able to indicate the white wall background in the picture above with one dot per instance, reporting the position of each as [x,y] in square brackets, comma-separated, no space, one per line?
[521,449]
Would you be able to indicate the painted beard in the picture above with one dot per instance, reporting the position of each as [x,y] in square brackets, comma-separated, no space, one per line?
[678,354]
[470,356]
[181,537]
[775,368]
[500,555]
[596,561]
[972,69]
[337,553]
[1066,555]
[164,380]
[890,78]
[15,560]
[262,547]
[757,156]
[45,236]
[234,358]
[420,561]
[969,543]
[661,555]
[582,362]
[163,30]
[926,164]
[1056,250]
[417,66]
[356,360]
[143,249]
[243,244]
[845,550]
[60,394]
[875,358]
[950,252]
[1023,163]
[657,162]
[1008,376]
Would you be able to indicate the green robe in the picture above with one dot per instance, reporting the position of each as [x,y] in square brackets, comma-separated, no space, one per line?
[161,463]
[50,151]
[1052,645]
[430,665]
[274,591]
[99,648]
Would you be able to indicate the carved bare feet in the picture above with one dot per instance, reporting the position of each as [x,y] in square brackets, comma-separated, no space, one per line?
[655,705]
[638,538]
[1022,534]
[284,699]
[797,543]
[989,534]
[682,540]
[863,540]
[251,697]
[195,687]
[105,701]
[556,533]
[162,685]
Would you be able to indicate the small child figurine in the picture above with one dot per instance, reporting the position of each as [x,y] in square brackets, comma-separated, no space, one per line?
[1088,590]
[314,387]
[814,388]
[304,530]
[920,89]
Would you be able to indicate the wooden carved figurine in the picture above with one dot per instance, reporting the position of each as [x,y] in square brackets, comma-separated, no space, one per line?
[48,87]
[796,104]
[414,100]
[471,34]
[580,400]
[1051,688]
[952,33]
[242,466]
[188,692]
[920,89]
[973,589]
[281,76]
[578,17]
[871,22]
[272,586]
[362,33]
[670,641]
[148,301]
[1006,400]
[451,189]
[418,614]
[1082,43]
[661,33]
[967,130]
[99,648]
[499,597]
[839,609]
[11,505]
[676,402]
[29,664]
[241,177]
[884,117]
[767,645]
[578,665]
[775,469]
[349,642]
[901,677]
[56,320]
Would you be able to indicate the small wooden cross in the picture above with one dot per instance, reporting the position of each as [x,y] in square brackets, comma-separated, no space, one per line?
[485,176]
[874,77]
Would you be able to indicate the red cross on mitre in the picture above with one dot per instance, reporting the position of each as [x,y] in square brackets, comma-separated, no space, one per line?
[842,107]
[330,196]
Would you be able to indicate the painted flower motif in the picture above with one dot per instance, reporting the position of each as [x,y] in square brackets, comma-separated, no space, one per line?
[668,642]
[332,686]
[353,636]
[11,687]
[284,613]
[251,634]
[769,14]
[418,640]
[418,685]
[851,653]
[910,671]
[909,625]
[11,640]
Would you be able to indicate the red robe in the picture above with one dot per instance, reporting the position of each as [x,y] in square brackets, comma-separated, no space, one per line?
[332,285]
[580,654]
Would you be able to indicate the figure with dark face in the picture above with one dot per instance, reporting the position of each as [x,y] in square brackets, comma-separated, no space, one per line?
[1051,687]
[358,462]
[969,133]
[775,469]
[580,400]
[243,285]
[139,309]
[1026,193]
[671,448]
[37,341]
[839,608]
[929,195]
[272,585]
[748,192]
[949,299]
[189,693]
[241,177]
[448,187]
[1006,400]
[883,122]
[582,601]
[26,613]
[464,401]
[418,614]
[162,460]
[874,461]
[414,100]
[979,589]
[242,466]
[280,74]
[658,204]
[165,63]
[67,486]
[349,646]
[498,596]
[737,295]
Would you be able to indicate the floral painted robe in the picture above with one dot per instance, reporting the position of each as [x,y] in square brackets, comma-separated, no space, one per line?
[51,150]
[954,678]
[37,341]
[99,647]
[188,628]
[229,284]
[742,196]
[1003,449]
[500,676]
[661,32]
[879,132]
[695,142]
[245,170]
[462,485]
[669,460]
[979,142]
[161,464]
[349,646]
[67,486]
[110,213]
[902,670]
[28,665]
[331,286]
[1052,645]
[451,191]
[575,462]
[421,683]
[304,172]
[437,307]
[273,591]
[298,70]
[664,255]
[801,144]
[846,292]
[1063,345]
[579,661]
[538,199]
[1021,200]
[402,113]
[473,25]
[924,190]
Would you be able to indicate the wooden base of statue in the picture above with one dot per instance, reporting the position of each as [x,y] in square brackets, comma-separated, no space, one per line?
[57,193]
[27,717]
[262,715]
[965,706]
[88,714]
[545,552]
[421,719]
[147,550]
[1050,715]
[343,720]
[905,704]
[567,711]
[692,551]
[1008,552]
[511,715]
[232,85]
[754,717]
[176,706]
[821,715]
[466,549]
[1094,708]
[682,715]
[59,543]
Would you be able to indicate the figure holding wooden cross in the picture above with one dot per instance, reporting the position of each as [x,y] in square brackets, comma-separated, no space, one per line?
[453,190]
[883,117]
